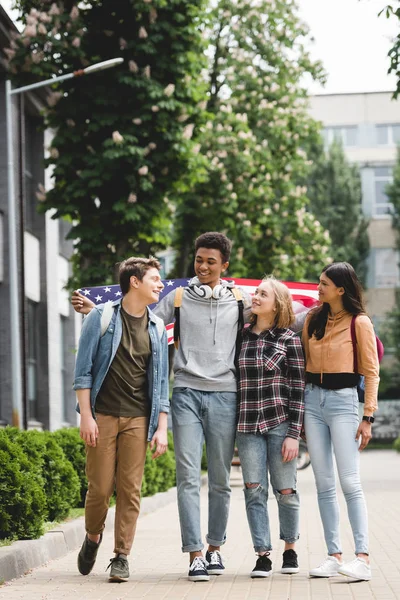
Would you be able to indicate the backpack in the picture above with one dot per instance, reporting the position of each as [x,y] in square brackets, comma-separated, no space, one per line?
[107,315]
[178,303]
[380,350]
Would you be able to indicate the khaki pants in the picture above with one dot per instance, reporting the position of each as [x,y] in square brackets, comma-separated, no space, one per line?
[116,461]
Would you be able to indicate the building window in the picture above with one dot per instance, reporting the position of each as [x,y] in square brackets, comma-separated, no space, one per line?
[30,170]
[382,177]
[32,361]
[388,135]
[387,273]
[346,135]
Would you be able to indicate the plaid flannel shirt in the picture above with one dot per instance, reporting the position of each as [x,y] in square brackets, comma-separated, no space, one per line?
[271,381]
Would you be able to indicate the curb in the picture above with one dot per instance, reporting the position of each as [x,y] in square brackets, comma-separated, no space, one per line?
[22,556]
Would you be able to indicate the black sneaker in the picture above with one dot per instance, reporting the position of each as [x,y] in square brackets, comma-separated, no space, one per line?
[215,565]
[87,555]
[198,570]
[119,569]
[263,567]
[290,564]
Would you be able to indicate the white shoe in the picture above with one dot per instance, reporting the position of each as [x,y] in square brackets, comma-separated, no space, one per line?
[329,568]
[357,569]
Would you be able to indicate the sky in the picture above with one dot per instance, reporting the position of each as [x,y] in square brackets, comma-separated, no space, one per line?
[350,40]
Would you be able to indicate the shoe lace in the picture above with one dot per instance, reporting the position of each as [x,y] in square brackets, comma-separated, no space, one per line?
[197,564]
[215,558]
[263,558]
[118,561]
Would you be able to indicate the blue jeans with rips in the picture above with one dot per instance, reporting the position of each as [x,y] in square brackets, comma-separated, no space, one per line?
[331,422]
[199,416]
[260,454]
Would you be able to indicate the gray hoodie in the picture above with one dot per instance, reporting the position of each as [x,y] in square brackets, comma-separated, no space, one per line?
[208,330]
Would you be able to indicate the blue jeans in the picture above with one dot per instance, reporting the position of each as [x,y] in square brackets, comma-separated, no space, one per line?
[331,422]
[260,453]
[199,416]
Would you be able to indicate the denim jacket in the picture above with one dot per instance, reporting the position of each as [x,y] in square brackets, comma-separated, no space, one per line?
[96,353]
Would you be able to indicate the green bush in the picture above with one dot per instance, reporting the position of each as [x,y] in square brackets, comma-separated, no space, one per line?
[396,444]
[56,474]
[42,476]
[62,483]
[23,507]
[74,449]
[159,474]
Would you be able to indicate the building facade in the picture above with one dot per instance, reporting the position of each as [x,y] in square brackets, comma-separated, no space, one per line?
[47,323]
[368,125]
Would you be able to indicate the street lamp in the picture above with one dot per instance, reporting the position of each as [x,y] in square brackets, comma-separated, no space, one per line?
[16,387]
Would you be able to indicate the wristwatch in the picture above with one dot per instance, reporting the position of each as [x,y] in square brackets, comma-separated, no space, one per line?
[368,419]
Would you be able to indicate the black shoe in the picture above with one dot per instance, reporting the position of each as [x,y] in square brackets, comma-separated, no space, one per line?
[119,569]
[198,570]
[215,565]
[263,567]
[290,564]
[87,555]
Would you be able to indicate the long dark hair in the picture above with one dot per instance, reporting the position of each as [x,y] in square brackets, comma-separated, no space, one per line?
[343,275]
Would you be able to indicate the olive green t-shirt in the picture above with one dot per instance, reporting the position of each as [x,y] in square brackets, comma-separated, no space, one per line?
[124,392]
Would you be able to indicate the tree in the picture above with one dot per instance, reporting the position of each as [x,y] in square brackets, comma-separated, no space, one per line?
[334,189]
[122,136]
[256,144]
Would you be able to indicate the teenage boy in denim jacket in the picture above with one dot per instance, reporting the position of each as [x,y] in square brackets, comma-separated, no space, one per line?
[121,382]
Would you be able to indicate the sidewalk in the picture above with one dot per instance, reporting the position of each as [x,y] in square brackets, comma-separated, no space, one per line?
[159,569]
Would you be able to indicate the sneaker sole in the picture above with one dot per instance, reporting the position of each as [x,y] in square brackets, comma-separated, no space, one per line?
[255,574]
[118,579]
[215,571]
[199,578]
[325,576]
[290,570]
[352,576]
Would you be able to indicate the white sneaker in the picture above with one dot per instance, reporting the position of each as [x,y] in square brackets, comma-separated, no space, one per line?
[357,569]
[329,568]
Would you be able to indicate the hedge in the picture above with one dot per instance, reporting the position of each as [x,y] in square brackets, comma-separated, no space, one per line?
[43,476]
[396,444]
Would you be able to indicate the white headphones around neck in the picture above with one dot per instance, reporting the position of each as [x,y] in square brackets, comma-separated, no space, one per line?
[205,291]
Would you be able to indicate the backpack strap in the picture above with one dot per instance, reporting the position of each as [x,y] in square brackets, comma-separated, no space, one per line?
[239,299]
[160,328]
[106,317]
[354,342]
[177,304]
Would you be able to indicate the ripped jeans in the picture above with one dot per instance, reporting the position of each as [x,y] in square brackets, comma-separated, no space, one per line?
[260,454]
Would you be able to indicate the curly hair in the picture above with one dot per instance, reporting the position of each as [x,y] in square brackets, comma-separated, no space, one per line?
[216,241]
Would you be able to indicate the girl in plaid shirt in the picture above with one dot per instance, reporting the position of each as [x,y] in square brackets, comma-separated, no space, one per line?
[271,387]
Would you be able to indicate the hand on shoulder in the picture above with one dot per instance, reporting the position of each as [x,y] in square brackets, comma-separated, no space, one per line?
[81,304]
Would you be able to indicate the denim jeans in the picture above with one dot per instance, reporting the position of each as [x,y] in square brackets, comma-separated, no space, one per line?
[331,422]
[199,416]
[260,454]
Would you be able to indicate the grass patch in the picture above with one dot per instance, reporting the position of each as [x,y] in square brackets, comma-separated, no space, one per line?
[6,542]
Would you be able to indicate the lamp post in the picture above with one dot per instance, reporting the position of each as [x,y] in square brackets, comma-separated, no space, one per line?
[15,342]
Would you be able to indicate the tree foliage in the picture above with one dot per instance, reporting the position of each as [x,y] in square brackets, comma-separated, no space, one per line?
[334,189]
[255,143]
[126,166]
[122,136]
[394,53]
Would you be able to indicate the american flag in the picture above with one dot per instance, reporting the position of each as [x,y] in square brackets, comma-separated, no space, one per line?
[304,293]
